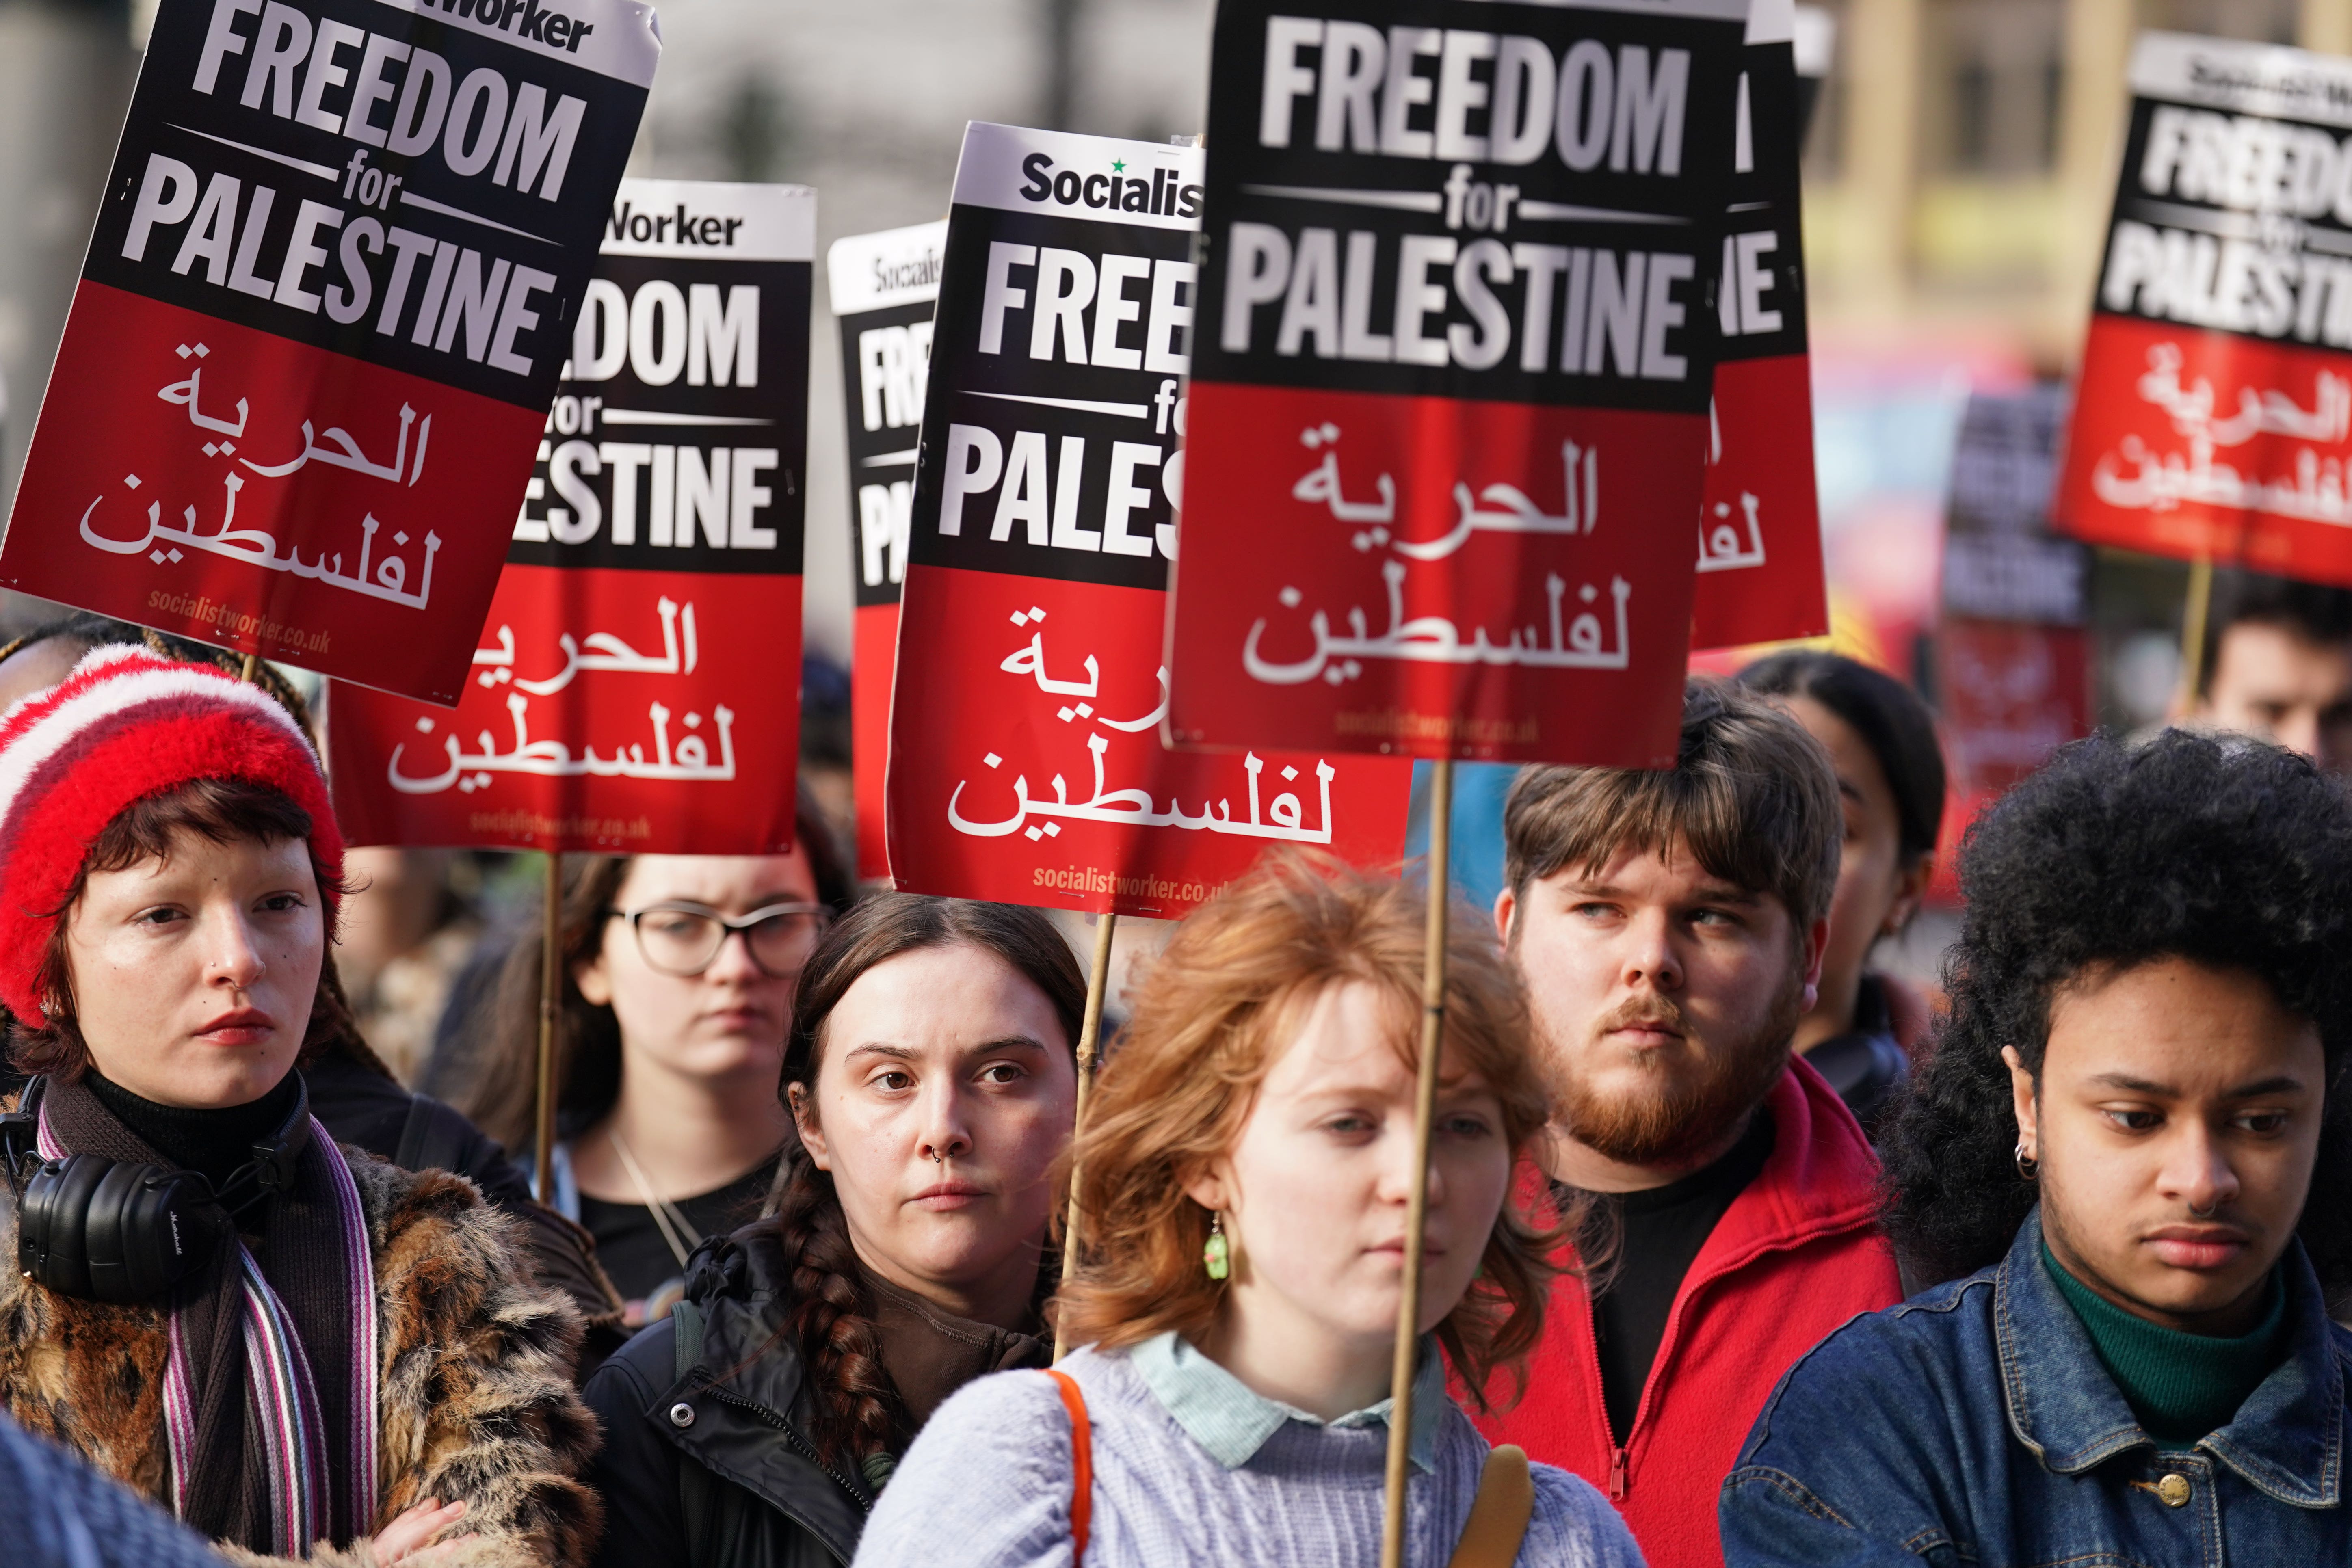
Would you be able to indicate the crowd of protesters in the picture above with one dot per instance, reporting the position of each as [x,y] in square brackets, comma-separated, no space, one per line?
[1737,1250]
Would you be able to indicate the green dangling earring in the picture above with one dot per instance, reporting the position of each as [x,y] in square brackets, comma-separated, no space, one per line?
[1216,1254]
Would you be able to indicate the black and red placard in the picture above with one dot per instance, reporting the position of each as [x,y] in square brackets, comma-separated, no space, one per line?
[324,308]
[1448,421]
[1025,758]
[1760,533]
[636,688]
[2213,417]
[883,287]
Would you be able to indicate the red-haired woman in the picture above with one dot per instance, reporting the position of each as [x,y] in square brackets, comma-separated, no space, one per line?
[930,1078]
[301,1351]
[1244,1175]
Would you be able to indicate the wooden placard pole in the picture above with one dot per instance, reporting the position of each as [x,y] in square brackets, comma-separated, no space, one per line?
[1433,1036]
[2193,617]
[1089,1041]
[245,674]
[551,1002]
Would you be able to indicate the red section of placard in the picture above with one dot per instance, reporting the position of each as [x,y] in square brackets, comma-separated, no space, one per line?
[2010,694]
[1044,781]
[2201,444]
[874,654]
[179,480]
[680,712]
[1760,536]
[1513,601]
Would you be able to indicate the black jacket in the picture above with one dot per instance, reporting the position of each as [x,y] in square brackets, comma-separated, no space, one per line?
[707,1459]
[762,1497]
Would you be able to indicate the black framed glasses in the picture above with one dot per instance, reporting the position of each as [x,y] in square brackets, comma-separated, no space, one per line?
[679,938]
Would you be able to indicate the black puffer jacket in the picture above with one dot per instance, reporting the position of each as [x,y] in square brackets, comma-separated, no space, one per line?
[712,1466]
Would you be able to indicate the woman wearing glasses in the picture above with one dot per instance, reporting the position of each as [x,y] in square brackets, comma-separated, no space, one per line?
[678,990]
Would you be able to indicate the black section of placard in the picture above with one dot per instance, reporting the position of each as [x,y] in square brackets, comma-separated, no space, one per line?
[647,404]
[2272,260]
[1023,403]
[1353,222]
[882,384]
[1761,267]
[206,155]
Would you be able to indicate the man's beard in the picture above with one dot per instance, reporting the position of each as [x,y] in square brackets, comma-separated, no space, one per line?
[1682,1109]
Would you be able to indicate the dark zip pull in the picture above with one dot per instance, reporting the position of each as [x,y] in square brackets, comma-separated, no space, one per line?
[1617,1487]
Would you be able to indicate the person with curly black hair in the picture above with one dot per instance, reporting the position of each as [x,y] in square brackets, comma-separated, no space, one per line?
[2106,1165]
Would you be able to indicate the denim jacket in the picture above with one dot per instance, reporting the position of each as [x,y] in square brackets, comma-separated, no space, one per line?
[1974,1424]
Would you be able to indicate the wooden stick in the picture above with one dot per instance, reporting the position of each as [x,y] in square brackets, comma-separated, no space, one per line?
[2193,617]
[1433,1036]
[1089,1037]
[245,674]
[551,1002]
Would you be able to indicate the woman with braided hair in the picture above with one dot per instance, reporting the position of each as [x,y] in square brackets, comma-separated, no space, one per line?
[929,1076]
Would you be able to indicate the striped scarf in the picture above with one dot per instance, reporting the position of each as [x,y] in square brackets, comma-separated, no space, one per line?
[279,1483]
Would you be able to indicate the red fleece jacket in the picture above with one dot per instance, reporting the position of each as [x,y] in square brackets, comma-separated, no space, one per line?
[1797,1254]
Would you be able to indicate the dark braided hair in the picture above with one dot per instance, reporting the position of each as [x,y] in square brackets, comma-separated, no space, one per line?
[831,1319]
[2231,854]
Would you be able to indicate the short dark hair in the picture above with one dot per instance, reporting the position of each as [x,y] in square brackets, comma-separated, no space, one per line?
[1751,794]
[2310,612]
[1889,717]
[225,811]
[2226,852]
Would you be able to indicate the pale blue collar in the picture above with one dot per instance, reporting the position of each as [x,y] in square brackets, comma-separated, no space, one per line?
[1233,1421]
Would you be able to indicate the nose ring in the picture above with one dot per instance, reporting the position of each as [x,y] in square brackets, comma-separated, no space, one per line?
[938,1159]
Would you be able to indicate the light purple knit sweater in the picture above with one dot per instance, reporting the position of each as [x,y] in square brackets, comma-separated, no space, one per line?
[987,1484]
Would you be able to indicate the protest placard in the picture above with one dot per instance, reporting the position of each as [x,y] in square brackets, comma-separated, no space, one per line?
[1760,534]
[1447,428]
[636,687]
[323,310]
[1026,759]
[883,287]
[2013,656]
[2213,417]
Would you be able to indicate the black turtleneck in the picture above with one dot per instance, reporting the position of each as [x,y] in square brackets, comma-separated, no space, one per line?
[213,1144]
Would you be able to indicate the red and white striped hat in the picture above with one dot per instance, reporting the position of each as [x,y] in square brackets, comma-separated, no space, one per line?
[126,724]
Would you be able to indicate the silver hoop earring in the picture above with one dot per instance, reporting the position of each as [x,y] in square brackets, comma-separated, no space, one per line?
[2028,1167]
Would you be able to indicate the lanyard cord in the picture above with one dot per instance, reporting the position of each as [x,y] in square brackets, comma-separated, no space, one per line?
[668,1218]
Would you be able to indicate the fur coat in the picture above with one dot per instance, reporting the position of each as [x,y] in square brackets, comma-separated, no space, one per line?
[475,1376]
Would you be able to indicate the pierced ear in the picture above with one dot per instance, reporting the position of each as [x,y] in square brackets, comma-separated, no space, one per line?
[2025,1103]
[1210,1189]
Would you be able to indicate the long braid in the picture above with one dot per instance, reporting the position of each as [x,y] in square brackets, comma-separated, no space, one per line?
[857,1411]
[832,1319]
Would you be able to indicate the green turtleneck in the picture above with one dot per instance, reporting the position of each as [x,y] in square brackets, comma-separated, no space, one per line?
[2180,1385]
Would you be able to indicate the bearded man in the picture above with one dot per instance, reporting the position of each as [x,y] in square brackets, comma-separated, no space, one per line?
[1716,1194]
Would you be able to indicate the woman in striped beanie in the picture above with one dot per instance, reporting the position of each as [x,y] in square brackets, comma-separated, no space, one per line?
[303,1352]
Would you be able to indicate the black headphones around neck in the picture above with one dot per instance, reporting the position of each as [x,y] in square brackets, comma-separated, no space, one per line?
[125,1232]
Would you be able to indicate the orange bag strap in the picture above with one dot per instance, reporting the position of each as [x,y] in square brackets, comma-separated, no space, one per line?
[1082,1465]
[1497,1524]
